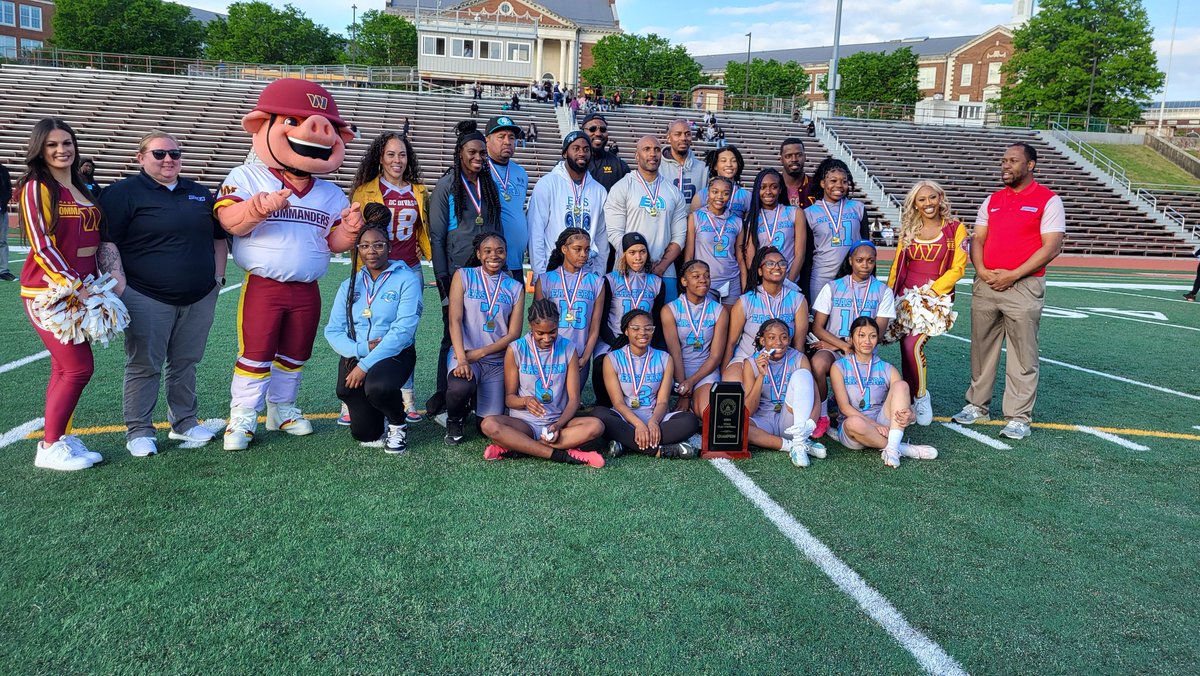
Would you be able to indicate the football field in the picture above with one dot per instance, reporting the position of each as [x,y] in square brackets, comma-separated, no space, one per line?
[1073,551]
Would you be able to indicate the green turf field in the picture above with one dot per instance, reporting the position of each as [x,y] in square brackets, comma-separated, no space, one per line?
[1065,553]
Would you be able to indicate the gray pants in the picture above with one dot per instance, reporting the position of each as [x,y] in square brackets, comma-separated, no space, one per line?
[159,333]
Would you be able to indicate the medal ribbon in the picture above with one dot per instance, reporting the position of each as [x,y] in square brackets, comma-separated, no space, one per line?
[836,226]
[719,235]
[862,383]
[646,186]
[641,291]
[687,308]
[637,387]
[772,312]
[774,226]
[537,361]
[489,296]
[502,181]
[858,312]
[373,290]
[570,297]
[776,389]
[475,202]
[577,192]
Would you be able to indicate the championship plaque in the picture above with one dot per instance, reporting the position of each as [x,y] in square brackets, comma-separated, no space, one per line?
[725,423]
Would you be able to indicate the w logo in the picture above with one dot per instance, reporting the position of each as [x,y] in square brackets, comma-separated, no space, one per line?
[319,102]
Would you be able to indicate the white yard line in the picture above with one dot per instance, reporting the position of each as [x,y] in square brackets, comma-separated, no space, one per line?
[18,363]
[1142,295]
[1120,379]
[981,438]
[928,654]
[1111,315]
[1129,286]
[21,431]
[1124,443]
[229,288]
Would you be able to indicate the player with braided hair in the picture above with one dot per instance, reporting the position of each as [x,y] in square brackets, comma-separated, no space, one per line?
[834,221]
[576,291]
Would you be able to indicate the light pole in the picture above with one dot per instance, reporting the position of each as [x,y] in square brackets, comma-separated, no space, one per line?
[353,31]
[833,63]
[1162,106]
[746,79]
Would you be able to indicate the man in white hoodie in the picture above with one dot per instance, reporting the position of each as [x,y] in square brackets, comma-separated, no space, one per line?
[679,165]
[568,197]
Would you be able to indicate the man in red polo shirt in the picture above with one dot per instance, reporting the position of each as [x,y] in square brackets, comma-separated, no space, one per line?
[1018,231]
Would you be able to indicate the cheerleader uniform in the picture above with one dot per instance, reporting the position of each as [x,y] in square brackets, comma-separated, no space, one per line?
[487,306]
[696,325]
[714,241]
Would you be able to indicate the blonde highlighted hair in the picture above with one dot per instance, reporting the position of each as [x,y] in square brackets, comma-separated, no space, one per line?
[144,144]
[910,216]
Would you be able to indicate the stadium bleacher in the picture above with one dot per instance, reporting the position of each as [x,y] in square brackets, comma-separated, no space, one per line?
[1187,203]
[965,161]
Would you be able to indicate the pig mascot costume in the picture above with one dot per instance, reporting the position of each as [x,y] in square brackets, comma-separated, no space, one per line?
[284,222]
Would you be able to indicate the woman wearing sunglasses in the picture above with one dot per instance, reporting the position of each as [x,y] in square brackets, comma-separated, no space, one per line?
[161,242]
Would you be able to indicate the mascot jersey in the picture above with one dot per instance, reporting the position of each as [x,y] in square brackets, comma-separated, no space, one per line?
[290,245]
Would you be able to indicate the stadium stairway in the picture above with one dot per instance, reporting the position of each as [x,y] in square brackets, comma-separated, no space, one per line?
[1187,203]
[965,161]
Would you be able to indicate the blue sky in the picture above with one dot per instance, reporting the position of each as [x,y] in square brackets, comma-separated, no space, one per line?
[709,27]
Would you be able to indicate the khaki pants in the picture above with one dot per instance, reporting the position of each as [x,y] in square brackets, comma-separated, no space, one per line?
[1013,316]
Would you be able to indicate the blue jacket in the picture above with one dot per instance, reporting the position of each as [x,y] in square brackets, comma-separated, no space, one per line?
[395,313]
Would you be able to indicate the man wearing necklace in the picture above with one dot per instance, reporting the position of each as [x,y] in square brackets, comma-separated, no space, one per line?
[604,166]
[568,197]
[512,183]
[791,160]
[645,202]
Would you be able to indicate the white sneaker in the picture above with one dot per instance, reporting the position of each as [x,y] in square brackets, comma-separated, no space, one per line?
[77,448]
[58,456]
[924,408]
[801,429]
[397,439]
[971,414]
[891,457]
[142,447]
[288,418]
[198,434]
[798,452]
[816,450]
[918,452]
[239,432]
[1015,429]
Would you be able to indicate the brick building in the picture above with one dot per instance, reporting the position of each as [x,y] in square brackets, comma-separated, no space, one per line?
[24,24]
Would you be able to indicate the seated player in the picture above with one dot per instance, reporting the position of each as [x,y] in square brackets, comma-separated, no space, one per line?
[639,380]
[855,293]
[485,317]
[780,392]
[541,391]
[768,296]
[630,286]
[691,325]
[874,401]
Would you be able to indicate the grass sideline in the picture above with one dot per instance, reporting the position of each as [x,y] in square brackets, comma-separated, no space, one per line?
[1067,553]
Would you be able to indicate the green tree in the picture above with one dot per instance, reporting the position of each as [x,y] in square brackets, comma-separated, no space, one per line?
[150,27]
[383,39]
[878,77]
[256,32]
[1090,57]
[649,62]
[767,78]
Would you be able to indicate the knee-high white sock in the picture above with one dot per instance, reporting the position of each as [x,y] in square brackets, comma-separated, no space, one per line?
[894,437]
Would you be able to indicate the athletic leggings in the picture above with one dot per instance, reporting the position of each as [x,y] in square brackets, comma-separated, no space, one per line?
[678,427]
[1196,284]
[379,396]
[598,387]
[913,363]
[71,368]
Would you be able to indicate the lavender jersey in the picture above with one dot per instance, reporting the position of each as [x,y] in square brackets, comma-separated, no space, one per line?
[553,365]
[868,401]
[739,201]
[716,236]
[834,227]
[486,303]
[848,301]
[576,294]
[696,325]
[630,368]
[777,228]
[759,307]
[779,373]
[633,291]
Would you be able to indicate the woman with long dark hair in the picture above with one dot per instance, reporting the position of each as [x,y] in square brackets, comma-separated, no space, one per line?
[576,292]
[726,162]
[694,327]
[768,296]
[61,221]
[772,222]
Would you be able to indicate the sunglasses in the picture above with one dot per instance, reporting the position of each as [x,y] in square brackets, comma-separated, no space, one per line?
[597,129]
[161,154]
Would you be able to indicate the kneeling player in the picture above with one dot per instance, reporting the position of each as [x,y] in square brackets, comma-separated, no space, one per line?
[779,385]
[542,395]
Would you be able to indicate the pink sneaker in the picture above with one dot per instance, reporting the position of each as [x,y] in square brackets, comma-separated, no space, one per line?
[589,458]
[821,428]
[494,452]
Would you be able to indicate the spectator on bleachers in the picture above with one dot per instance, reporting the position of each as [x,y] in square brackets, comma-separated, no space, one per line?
[516,102]
[5,197]
[87,169]
[406,129]
[558,95]
[645,202]
[648,99]
[532,134]
[162,244]
[1010,288]
[477,91]
[512,183]
[565,198]
[792,157]
[605,167]
[721,142]
[574,106]
[662,97]
[616,100]
[677,100]
[474,108]
[683,169]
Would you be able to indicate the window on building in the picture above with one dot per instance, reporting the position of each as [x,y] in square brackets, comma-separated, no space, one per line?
[8,13]
[462,49]
[27,45]
[8,47]
[491,50]
[966,75]
[994,72]
[506,8]
[518,52]
[31,18]
[927,77]
[964,97]
[432,46]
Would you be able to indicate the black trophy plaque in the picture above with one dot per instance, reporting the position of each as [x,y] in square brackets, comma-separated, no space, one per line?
[725,422]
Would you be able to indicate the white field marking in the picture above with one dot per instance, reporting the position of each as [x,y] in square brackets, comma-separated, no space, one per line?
[928,654]
[18,363]
[229,288]
[1196,427]
[1129,286]
[1125,443]
[1142,295]
[21,431]
[1099,312]
[1102,374]
[981,438]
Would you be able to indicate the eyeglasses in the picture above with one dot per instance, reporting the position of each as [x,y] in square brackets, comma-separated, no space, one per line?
[774,264]
[160,154]
[642,329]
[373,246]
[597,129]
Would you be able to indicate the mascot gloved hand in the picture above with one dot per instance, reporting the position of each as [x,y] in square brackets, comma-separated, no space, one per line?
[284,223]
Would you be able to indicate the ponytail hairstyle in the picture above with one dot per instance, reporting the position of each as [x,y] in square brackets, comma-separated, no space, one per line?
[542,310]
[827,166]
[376,218]
[465,132]
[622,340]
[750,225]
[684,270]
[711,157]
[37,171]
[556,256]
[753,279]
[860,322]
[473,261]
[845,269]
[762,330]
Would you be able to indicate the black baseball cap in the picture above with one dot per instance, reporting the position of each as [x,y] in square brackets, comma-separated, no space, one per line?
[502,122]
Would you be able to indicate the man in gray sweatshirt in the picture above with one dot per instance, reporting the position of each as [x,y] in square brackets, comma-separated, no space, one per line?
[682,168]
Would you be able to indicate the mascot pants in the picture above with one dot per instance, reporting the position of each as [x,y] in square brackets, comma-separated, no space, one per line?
[277,323]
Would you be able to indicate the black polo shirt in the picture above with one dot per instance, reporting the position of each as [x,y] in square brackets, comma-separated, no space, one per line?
[165,237]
